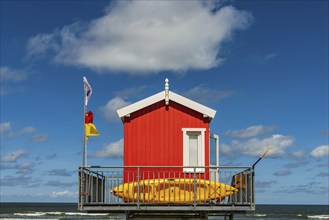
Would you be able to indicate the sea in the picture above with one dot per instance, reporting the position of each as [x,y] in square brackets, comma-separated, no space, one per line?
[29,211]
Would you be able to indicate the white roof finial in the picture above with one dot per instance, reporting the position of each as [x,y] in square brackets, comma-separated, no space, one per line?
[167,91]
[167,84]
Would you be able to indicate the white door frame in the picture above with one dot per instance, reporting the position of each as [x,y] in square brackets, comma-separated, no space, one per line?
[214,170]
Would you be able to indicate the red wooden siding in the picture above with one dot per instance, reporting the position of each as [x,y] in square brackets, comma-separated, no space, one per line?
[153,137]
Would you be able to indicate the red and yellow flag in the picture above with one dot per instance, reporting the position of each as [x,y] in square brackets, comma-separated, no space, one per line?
[90,128]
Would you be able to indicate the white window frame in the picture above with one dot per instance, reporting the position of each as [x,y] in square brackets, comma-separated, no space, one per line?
[201,149]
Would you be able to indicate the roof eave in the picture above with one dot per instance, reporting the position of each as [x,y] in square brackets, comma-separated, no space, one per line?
[192,105]
[140,104]
[126,111]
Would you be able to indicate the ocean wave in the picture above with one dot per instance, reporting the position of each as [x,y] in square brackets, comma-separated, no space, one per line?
[29,218]
[318,216]
[86,214]
[55,213]
[260,215]
[36,214]
[30,214]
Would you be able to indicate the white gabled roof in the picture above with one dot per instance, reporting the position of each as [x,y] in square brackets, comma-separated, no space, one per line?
[207,112]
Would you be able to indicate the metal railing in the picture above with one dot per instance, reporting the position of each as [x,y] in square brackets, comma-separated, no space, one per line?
[166,185]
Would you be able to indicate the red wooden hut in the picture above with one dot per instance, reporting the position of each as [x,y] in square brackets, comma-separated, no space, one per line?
[166,129]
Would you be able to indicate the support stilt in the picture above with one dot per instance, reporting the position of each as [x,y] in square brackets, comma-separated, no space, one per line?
[229,216]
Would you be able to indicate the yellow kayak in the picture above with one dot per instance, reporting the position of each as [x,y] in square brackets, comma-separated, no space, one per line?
[173,190]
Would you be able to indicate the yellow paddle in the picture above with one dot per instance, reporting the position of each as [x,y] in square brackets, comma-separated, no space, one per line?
[262,156]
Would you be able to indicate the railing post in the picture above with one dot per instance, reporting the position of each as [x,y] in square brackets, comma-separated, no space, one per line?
[96,188]
[90,187]
[138,184]
[107,190]
[194,186]
[80,188]
[252,178]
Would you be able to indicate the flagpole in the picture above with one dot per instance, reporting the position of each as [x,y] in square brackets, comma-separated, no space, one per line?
[87,94]
[86,153]
[84,128]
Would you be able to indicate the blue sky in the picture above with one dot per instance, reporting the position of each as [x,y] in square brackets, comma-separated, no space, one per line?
[263,65]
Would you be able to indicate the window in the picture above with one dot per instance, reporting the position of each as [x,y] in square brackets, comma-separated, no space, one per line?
[194,148]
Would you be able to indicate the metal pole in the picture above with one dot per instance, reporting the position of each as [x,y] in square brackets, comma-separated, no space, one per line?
[80,188]
[86,150]
[84,128]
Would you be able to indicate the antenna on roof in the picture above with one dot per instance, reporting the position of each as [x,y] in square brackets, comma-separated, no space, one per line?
[167,91]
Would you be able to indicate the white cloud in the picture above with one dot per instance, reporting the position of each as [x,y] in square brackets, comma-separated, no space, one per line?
[204,94]
[9,77]
[323,174]
[58,183]
[5,126]
[23,131]
[64,193]
[113,150]
[109,110]
[131,92]
[21,180]
[225,149]
[270,56]
[13,156]
[23,168]
[320,151]
[298,154]
[40,138]
[262,59]
[14,75]
[296,164]
[282,173]
[265,184]
[249,132]
[256,147]
[60,172]
[145,37]
[41,43]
